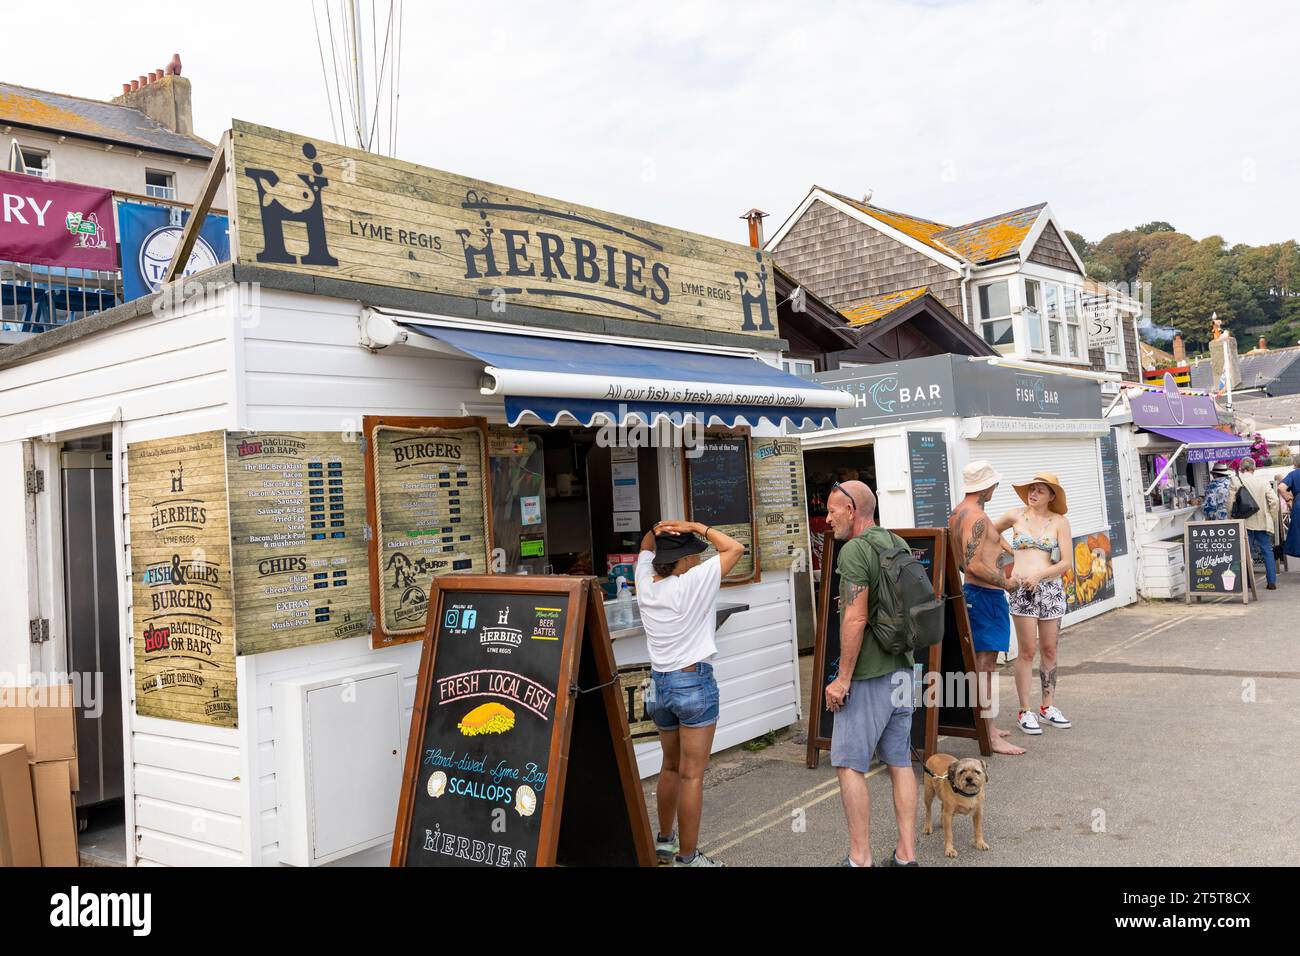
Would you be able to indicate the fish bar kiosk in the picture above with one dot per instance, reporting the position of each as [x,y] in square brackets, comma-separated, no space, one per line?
[403,373]
[917,423]
[1169,437]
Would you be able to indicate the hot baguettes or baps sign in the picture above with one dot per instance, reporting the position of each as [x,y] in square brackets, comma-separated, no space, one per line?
[298,516]
[430,502]
[181,604]
[315,207]
[781,502]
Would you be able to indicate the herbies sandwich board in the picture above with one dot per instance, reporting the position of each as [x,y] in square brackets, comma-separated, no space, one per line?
[519,752]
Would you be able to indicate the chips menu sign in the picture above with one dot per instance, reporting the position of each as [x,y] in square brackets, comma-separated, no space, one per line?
[297,523]
[318,208]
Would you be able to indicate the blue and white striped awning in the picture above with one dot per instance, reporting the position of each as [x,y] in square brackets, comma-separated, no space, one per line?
[599,382]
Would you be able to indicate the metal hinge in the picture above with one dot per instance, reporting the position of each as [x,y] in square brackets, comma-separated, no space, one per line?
[372,621]
[367,534]
[39,630]
[35,481]
[362,442]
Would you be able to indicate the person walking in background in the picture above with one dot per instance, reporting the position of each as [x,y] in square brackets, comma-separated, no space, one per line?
[676,595]
[986,561]
[1218,494]
[1261,524]
[1289,489]
[1037,532]
[870,716]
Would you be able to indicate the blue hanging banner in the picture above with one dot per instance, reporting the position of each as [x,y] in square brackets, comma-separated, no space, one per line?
[150,234]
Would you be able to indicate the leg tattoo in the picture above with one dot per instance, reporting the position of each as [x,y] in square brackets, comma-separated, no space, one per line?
[1048,679]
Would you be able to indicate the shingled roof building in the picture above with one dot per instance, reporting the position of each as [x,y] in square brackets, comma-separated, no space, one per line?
[1013,278]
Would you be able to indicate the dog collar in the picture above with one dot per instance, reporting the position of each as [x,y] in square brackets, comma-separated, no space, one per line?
[954,789]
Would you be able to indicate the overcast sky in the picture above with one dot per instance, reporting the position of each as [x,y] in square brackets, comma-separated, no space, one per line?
[690,113]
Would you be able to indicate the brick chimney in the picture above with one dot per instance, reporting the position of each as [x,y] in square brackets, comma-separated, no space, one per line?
[1180,350]
[163,95]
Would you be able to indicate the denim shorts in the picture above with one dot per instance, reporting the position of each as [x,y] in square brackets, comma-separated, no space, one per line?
[685,697]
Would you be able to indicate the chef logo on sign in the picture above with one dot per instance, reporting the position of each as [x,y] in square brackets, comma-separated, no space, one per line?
[501,639]
[281,204]
[759,298]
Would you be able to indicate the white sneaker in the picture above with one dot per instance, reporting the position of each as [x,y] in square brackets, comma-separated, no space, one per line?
[1029,723]
[1054,717]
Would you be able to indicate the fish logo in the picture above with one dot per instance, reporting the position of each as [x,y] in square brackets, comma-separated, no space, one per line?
[881,391]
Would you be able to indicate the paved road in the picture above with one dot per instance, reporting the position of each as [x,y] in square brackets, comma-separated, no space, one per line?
[1185,751]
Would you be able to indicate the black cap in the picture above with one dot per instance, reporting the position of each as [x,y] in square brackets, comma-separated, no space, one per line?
[670,548]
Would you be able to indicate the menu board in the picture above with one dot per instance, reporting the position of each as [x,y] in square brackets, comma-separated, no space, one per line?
[927,454]
[182,614]
[1113,492]
[297,522]
[428,484]
[518,691]
[782,506]
[1218,559]
[719,494]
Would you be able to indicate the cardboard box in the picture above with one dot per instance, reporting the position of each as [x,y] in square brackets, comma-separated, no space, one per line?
[56,816]
[42,719]
[19,841]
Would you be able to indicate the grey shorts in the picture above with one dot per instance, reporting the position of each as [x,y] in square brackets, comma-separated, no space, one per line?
[876,718]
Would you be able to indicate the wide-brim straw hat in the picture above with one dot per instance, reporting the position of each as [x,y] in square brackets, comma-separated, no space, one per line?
[1058,504]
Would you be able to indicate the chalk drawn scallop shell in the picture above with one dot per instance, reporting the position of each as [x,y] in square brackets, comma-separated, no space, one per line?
[437,783]
[525,801]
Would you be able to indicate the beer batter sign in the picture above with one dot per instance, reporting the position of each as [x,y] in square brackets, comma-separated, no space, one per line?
[313,207]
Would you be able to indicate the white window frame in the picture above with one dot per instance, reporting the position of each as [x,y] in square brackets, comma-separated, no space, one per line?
[791,364]
[1033,317]
[44,171]
[160,192]
[985,320]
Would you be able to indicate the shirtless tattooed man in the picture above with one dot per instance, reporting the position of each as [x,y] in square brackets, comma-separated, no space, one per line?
[980,551]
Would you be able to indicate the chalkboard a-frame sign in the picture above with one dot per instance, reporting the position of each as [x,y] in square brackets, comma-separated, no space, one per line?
[1219,560]
[945,666]
[519,751]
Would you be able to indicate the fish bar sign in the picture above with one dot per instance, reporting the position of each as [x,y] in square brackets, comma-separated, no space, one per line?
[517,687]
[314,207]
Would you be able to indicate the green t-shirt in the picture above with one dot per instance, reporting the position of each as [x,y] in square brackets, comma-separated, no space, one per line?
[859,563]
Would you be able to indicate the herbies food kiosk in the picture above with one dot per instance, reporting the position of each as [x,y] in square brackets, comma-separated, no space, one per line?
[401,373]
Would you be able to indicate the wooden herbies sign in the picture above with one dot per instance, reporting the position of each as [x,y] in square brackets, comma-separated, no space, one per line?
[318,208]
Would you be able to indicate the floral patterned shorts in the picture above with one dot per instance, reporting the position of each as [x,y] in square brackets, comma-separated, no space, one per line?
[1046,602]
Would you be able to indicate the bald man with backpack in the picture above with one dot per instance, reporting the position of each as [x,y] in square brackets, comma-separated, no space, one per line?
[887,612]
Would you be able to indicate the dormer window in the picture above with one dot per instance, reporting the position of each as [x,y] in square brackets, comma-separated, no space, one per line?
[995,315]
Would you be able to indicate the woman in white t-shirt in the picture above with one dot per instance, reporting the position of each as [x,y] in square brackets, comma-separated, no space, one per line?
[677,594]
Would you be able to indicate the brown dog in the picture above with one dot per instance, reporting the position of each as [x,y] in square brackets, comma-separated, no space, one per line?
[960,786]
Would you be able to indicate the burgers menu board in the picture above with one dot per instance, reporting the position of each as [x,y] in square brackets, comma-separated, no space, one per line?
[181,592]
[428,485]
[719,494]
[297,517]
[1218,559]
[782,510]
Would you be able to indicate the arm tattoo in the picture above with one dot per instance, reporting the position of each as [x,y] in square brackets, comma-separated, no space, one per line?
[976,535]
[854,591]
